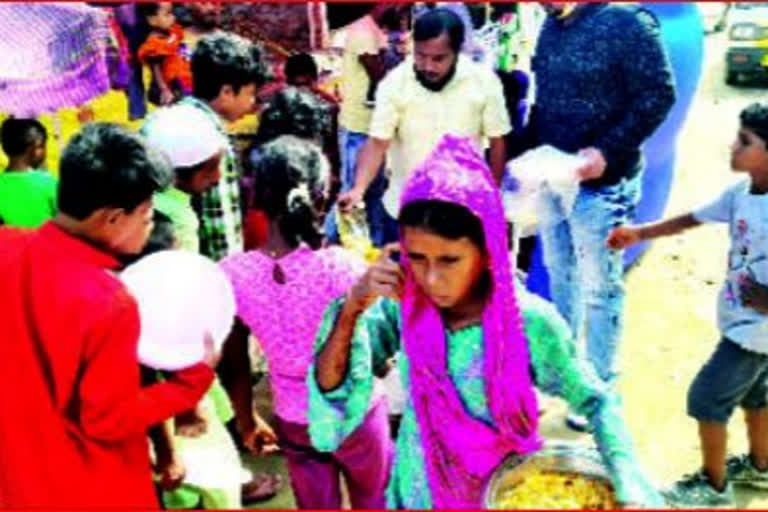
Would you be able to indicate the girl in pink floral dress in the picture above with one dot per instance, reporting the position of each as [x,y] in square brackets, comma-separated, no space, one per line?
[282,289]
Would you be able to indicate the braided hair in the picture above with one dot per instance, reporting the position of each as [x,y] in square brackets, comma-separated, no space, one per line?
[290,186]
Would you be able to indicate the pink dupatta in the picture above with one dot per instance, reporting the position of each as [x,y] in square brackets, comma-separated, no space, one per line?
[460,450]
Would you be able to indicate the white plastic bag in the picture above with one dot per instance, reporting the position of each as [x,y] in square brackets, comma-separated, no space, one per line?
[540,188]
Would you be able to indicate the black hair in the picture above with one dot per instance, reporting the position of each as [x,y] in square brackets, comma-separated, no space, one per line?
[147,9]
[290,178]
[448,220]
[162,238]
[185,174]
[292,111]
[106,165]
[436,22]
[226,59]
[755,118]
[301,64]
[17,135]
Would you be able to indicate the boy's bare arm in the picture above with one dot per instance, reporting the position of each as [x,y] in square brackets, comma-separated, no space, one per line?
[166,94]
[235,373]
[375,69]
[167,465]
[497,158]
[625,236]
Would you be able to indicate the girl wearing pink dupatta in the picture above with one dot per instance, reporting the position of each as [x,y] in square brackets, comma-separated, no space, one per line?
[450,311]
[461,448]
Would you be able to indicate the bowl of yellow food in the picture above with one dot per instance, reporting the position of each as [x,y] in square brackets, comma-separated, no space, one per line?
[560,476]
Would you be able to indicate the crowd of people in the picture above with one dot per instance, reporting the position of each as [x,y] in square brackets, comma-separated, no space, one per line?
[419,139]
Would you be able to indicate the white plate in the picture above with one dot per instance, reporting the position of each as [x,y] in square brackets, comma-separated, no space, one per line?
[181,296]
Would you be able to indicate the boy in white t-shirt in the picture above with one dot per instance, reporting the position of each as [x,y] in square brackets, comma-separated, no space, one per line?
[737,372]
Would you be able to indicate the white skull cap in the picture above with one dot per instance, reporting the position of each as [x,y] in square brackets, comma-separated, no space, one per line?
[185,134]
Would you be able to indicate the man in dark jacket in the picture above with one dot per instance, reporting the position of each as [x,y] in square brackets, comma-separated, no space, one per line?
[603,85]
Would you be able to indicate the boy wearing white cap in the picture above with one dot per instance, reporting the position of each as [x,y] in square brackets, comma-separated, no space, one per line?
[195,149]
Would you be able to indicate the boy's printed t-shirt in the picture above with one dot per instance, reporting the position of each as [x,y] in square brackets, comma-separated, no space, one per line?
[747,218]
[27,199]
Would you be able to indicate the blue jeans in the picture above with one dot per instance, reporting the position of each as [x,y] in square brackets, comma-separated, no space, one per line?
[382,226]
[587,278]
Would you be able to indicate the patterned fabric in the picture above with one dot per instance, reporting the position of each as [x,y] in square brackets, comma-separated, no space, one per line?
[556,367]
[221,220]
[456,173]
[52,55]
[746,216]
[282,28]
[285,317]
[604,80]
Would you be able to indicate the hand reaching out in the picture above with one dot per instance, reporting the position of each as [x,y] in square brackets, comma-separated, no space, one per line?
[349,199]
[594,165]
[622,237]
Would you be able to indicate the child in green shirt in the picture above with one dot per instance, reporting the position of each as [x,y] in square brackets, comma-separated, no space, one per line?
[27,194]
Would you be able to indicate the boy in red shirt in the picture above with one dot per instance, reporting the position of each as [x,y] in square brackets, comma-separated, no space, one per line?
[73,431]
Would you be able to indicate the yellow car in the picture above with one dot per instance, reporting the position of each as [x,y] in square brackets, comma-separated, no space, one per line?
[747,53]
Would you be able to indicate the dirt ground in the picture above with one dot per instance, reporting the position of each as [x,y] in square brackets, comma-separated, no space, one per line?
[670,314]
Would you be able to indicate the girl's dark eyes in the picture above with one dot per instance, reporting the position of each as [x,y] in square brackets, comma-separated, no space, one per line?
[744,140]
[447,260]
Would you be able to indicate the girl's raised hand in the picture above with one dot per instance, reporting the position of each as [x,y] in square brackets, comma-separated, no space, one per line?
[384,277]
[622,237]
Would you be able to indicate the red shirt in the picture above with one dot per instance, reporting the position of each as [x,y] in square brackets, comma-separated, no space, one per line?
[73,418]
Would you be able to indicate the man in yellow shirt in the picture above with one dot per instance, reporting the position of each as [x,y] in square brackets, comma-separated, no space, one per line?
[364,65]
[437,92]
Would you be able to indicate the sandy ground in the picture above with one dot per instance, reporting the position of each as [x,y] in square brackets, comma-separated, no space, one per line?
[670,314]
